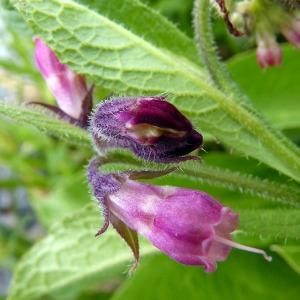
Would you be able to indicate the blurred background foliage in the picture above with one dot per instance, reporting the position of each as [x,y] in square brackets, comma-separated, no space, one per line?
[43,178]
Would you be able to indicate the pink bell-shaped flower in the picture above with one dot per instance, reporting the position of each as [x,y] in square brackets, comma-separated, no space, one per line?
[188,225]
[268,52]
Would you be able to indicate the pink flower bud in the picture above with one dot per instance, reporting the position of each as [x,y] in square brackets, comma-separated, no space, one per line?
[268,53]
[151,127]
[188,225]
[68,88]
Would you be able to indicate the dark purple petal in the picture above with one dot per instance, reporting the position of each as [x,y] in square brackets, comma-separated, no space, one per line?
[151,127]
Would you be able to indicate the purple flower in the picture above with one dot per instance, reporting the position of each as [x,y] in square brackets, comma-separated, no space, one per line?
[188,225]
[291,31]
[69,89]
[151,127]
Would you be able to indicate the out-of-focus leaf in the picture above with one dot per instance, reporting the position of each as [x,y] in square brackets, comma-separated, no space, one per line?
[291,254]
[243,275]
[70,258]
[274,91]
[67,196]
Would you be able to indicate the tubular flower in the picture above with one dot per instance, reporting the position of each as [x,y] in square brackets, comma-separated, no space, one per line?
[151,127]
[189,226]
[69,89]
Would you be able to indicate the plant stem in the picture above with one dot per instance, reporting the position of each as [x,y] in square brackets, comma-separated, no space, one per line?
[244,183]
[204,38]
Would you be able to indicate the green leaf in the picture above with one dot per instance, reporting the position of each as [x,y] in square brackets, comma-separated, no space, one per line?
[242,276]
[274,91]
[68,195]
[276,222]
[70,258]
[291,254]
[119,57]
[144,18]
[49,125]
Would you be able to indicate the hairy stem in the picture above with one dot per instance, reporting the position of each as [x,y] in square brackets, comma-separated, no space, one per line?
[244,183]
[205,41]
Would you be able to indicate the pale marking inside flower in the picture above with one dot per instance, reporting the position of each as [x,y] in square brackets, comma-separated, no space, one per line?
[145,131]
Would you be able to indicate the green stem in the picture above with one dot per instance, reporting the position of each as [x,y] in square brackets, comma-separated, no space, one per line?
[204,38]
[282,149]
[288,194]
[244,183]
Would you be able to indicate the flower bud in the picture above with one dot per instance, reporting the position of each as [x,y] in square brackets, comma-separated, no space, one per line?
[264,19]
[69,89]
[291,31]
[151,127]
[268,53]
[188,225]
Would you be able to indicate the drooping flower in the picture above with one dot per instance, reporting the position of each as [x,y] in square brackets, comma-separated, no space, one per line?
[188,225]
[268,52]
[291,30]
[263,19]
[150,126]
[70,90]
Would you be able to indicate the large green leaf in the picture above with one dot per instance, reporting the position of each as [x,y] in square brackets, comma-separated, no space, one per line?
[70,257]
[243,276]
[275,91]
[109,48]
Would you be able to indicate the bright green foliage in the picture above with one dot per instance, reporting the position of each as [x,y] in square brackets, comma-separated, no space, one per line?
[290,253]
[275,92]
[242,276]
[70,257]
